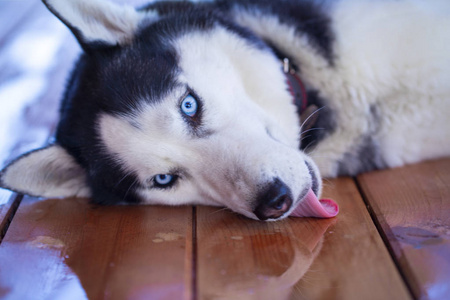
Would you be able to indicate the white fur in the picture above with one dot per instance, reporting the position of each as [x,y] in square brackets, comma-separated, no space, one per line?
[391,62]
[398,57]
[394,54]
[243,100]
[48,172]
[101,20]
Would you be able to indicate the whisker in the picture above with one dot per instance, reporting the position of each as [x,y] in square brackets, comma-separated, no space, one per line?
[122,179]
[313,155]
[314,112]
[308,146]
[311,129]
[129,188]
[327,182]
[305,137]
[219,210]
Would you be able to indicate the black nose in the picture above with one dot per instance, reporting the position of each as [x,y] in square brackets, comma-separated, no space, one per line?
[273,201]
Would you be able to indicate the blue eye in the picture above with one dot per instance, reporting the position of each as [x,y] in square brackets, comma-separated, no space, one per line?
[163,180]
[189,106]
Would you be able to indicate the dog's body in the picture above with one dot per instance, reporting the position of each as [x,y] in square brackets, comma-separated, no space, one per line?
[383,72]
[188,103]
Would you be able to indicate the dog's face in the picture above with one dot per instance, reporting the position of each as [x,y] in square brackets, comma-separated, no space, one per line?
[191,113]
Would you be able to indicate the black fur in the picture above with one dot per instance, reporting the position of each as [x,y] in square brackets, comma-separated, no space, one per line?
[307,17]
[368,156]
[116,79]
[325,124]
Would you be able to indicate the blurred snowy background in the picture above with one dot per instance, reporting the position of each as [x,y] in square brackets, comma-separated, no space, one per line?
[37,53]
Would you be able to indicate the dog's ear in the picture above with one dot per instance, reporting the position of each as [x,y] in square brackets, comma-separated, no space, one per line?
[47,172]
[97,23]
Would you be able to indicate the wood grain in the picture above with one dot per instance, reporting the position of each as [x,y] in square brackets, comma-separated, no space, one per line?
[298,258]
[67,247]
[412,206]
[11,202]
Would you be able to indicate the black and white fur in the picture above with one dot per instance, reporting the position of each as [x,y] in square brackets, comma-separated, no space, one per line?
[379,72]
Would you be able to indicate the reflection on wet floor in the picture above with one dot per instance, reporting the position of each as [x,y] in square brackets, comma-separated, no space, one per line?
[276,255]
[62,247]
[68,249]
[39,271]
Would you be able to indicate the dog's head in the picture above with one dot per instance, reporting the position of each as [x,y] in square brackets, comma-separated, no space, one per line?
[171,105]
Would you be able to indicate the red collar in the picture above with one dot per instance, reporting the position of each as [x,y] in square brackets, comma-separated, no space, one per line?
[306,111]
[296,86]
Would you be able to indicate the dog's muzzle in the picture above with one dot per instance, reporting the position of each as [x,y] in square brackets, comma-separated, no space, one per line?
[274,201]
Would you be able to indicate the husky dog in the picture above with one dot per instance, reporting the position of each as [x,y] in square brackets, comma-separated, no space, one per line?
[201,103]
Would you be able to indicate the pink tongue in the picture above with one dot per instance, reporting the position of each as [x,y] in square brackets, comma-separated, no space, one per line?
[313,207]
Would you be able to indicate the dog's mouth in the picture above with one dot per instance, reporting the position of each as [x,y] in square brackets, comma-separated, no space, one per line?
[311,206]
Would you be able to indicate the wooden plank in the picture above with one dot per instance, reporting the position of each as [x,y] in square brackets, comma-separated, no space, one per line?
[69,249]
[298,258]
[8,208]
[412,206]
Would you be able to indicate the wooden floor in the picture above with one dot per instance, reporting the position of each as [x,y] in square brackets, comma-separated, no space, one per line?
[391,239]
